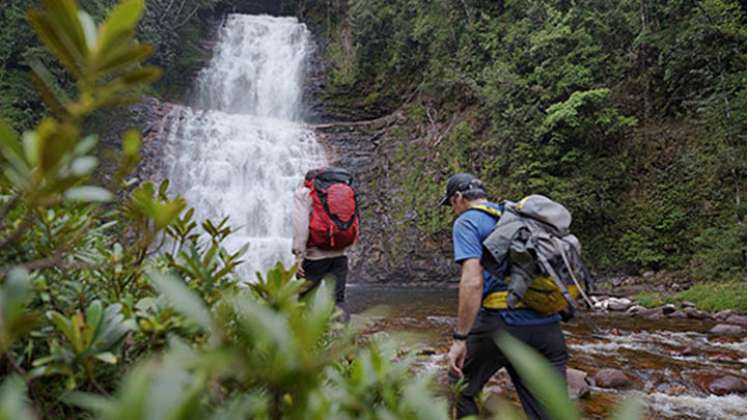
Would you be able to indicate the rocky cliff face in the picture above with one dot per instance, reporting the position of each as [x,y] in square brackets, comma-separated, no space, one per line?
[390,250]
[359,138]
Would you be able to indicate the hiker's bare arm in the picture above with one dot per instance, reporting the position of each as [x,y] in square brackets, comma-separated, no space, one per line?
[470,294]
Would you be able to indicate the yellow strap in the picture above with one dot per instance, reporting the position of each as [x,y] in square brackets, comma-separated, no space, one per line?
[487,209]
[498,300]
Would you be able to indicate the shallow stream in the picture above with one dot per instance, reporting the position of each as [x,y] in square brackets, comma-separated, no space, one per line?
[670,362]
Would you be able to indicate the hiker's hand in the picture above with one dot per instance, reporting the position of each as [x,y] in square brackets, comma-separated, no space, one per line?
[299,268]
[457,354]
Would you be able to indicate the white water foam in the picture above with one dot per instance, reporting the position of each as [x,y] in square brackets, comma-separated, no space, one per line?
[242,149]
[710,407]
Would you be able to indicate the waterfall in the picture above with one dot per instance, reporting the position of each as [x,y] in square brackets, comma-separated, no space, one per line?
[242,149]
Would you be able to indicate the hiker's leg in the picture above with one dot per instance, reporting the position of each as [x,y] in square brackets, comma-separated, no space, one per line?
[549,341]
[339,270]
[314,271]
[483,360]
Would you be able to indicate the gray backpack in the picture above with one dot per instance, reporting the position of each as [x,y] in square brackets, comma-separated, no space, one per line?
[532,238]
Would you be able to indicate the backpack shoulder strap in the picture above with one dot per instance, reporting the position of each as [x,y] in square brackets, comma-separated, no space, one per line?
[490,211]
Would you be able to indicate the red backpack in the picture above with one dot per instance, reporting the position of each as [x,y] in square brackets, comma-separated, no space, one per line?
[334,210]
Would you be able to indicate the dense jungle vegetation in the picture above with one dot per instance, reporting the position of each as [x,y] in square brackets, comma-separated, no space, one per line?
[95,323]
[631,112]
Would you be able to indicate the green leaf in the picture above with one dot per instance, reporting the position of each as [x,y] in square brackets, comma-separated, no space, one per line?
[59,46]
[123,58]
[542,380]
[107,357]
[122,19]
[131,143]
[84,165]
[184,300]
[89,194]
[63,324]
[10,146]
[89,29]
[630,409]
[13,400]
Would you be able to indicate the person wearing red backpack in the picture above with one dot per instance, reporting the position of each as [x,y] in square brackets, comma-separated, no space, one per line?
[325,225]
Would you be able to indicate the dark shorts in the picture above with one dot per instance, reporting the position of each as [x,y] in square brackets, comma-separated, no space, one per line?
[484,358]
[336,269]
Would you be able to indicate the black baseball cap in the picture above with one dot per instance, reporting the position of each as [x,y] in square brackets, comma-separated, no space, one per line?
[461,183]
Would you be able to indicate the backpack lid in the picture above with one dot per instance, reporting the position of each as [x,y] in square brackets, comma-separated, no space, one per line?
[542,209]
[332,175]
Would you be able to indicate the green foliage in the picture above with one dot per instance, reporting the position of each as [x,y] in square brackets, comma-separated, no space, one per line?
[721,252]
[134,288]
[649,299]
[631,113]
[716,296]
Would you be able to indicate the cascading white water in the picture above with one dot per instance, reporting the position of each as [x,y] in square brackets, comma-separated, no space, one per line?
[242,149]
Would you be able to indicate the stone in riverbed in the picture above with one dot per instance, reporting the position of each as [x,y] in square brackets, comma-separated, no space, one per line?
[689,351]
[695,314]
[737,320]
[687,304]
[723,315]
[578,387]
[636,309]
[611,378]
[728,385]
[618,304]
[678,315]
[726,329]
[668,309]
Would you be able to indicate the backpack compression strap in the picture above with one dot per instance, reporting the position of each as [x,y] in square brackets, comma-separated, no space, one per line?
[490,211]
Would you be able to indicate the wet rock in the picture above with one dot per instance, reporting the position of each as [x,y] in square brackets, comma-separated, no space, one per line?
[618,304]
[737,320]
[727,329]
[653,314]
[728,385]
[693,313]
[611,378]
[678,315]
[636,309]
[687,304]
[723,315]
[648,274]
[689,351]
[578,387]
[668,309]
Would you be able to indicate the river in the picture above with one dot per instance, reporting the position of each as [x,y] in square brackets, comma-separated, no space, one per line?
[669,361]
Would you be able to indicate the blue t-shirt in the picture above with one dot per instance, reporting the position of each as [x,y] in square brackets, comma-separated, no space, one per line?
[470,229]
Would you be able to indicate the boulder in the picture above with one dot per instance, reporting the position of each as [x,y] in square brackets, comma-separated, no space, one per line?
[687,304]
[727,329]
[611,378]
[619,304]
[678,315]
[653,314]
[668,309]
[693,313]
[636,309]
[689,351]
[728,385]
[578,387]
[737,320]
[723,315]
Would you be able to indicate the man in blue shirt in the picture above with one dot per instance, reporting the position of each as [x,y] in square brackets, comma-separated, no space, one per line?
[474,354]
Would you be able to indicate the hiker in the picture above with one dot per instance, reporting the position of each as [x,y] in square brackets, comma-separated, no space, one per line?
[474,355]
[325,225]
